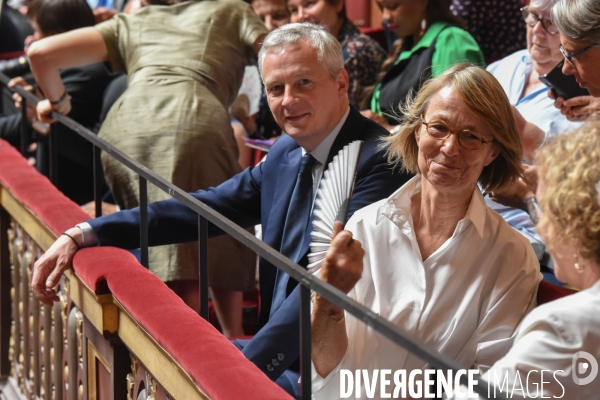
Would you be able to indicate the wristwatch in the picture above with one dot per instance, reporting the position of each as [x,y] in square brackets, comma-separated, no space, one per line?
[533,209]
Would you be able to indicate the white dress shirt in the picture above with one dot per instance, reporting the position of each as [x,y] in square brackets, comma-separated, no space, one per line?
[465,301]
[548,339]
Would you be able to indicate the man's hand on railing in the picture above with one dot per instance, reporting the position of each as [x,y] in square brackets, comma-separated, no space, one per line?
[51,266]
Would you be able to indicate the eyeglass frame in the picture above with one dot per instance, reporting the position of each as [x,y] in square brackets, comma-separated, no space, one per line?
[569,57]
[453,132]
[538,19]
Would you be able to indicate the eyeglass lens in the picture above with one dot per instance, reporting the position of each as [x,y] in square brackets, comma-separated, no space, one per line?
[567,57]
[467,139]
[532,18]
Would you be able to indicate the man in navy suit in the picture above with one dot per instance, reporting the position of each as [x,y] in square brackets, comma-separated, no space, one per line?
[303,71]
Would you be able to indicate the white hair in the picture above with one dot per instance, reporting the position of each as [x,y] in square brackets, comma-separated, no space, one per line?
[329,49]
[578,20]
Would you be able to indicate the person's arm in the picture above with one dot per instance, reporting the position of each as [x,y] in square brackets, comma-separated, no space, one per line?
[49,55]
[258,44]
[545,342]
[169,221]
[501,311]
[48,269]
[342,268]
[532,136]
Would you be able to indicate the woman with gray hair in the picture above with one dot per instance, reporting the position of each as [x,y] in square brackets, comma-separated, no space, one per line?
[519,73]
[578,22]
[519,76]
[436,261]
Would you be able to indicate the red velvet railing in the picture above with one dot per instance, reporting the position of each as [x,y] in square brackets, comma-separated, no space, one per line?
[217,368]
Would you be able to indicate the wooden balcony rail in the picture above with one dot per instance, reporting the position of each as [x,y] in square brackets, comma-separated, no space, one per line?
[117,332]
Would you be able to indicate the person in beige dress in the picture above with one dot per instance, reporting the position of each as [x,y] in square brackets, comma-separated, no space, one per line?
[185,63]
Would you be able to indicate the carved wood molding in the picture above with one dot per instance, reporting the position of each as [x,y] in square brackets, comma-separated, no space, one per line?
[49,351]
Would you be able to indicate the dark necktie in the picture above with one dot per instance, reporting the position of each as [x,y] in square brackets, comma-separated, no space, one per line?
[296,221]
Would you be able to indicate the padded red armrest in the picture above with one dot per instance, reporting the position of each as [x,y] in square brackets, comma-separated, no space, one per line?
[36,192]
[202,351]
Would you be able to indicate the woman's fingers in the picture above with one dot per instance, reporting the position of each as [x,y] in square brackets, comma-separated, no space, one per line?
[44,112]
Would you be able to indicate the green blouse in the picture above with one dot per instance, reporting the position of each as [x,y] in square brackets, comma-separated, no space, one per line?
[452,46]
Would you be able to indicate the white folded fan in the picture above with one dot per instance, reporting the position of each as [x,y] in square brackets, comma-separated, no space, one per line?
[332,200]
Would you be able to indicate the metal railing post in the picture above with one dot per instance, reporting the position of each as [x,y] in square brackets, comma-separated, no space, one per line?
[24,127]
[53,156]
[305,344]
[97,165]
[203,267]
[144,222]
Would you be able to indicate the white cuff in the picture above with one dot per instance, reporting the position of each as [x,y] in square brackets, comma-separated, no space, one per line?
[88,235]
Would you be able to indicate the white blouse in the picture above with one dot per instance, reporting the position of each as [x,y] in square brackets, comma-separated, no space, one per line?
[551,339]
[465,301]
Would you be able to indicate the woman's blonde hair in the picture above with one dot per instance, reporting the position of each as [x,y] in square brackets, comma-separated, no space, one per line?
[484,96]
[569,166]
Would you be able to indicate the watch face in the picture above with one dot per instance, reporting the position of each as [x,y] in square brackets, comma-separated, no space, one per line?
[533,209]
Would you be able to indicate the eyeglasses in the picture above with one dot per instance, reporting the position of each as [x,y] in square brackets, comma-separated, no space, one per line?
[439,130]
[569,57]
[532,18]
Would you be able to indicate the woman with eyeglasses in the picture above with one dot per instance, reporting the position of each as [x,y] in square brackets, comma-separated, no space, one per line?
[519,73]
[519,76]
[578,23]
[436,262]
[562,337]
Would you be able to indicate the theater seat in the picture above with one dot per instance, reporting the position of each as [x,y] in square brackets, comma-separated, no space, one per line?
[548,292]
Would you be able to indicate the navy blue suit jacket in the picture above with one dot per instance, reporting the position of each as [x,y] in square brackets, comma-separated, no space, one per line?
[261,195]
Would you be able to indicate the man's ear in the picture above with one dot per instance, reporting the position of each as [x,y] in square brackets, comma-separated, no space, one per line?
[343,81]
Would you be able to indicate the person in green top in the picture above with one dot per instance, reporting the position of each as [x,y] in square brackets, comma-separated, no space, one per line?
[431,40]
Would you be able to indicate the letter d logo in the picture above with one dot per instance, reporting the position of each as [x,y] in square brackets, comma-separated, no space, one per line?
[582,367]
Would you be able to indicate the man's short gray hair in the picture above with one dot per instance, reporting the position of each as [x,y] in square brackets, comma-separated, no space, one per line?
[329,49]
[578,20]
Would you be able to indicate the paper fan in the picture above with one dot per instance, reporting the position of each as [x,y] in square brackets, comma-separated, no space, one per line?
[332,200]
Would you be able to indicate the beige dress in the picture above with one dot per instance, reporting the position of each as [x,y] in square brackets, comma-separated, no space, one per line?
[185,64]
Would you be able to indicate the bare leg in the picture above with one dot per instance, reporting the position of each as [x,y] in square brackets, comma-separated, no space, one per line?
[245,158]
[228,305]
[189,291]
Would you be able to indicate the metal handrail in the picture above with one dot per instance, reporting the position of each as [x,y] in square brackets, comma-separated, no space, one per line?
[307,280]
